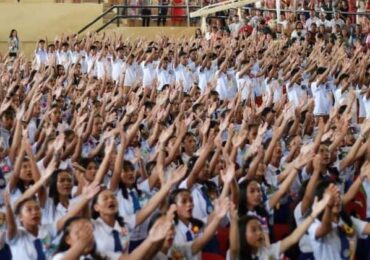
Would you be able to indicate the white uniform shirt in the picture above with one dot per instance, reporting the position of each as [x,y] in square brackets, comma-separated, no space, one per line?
[149,73]
[108,255]
[183,250]
[322,98]
[126,210]
[22,245]
[184,74]
[329,246]
[200,204]
[130,74]
[304,242]
[103,234]
[270,252]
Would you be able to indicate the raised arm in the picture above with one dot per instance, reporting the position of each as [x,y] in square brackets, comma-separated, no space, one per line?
[293,238]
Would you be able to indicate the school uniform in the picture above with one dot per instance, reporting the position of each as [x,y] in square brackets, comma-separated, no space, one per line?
[106,255]
[322,97]
[52,212]
[184,74]
[41,58]
[112,239]
[185,234]
[165,76]
[149,74]
[205,76]
[117,69]
[89,146]
[177,251]
[203,205]
[295,93]
[304,243]
[222,85]
[129,207]
[26,246]
[334,245]
[267,252]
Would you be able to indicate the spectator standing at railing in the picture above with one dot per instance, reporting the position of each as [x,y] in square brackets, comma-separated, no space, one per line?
[146,12]
[162,12]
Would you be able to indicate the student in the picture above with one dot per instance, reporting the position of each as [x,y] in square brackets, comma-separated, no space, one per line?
[333,233]
[247,240]
[78,241]
[171,248]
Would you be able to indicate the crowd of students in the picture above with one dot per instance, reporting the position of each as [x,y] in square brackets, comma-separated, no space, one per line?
[115,148]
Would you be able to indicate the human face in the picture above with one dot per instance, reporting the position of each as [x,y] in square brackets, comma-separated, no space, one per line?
[106,203]
[26,174]
[30,214]
[189,144]
[184,206]
[254,234]
[254,194]
[74,236]
[325,155]
[91,170]
[56,116]
[128,177]
[7,121]
[97,126]
[64,183]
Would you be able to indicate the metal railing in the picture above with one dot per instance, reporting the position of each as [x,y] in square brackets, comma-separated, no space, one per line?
[121,13]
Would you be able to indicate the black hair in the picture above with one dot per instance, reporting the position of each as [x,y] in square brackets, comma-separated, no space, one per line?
[128,166]
[53,190]
[11,32]
[63,246]
[20,205]
[172,200]
[245,251]
[243,209]
[320,191]
[95,214]
[342,77]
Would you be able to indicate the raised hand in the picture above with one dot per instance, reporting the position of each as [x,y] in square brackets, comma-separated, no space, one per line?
[58,143]
[90,191]
[222,206]
[177,175]
[228,174]
[166,134]
[319,206]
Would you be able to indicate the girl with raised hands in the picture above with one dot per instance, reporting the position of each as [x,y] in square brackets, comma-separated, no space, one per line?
[171,249]
[78,241]
[252,203]
[110,225]
[247,239]
[334,234]
[33,240]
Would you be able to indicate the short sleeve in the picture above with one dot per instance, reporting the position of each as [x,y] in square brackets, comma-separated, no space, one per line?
[312,230]
[130,221]
[58,256]
[359,226]
[185,249]
[144,186]
[274,251]
[184,184]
